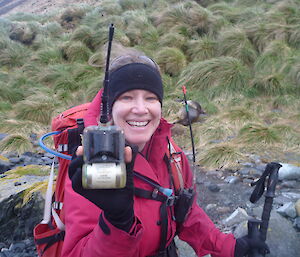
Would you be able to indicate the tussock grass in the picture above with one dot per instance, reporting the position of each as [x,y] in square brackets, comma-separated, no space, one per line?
[76,51]
[171,60]
[234,42]
[48,56]
[228,72]
[202,49]
[274,55]
[16,142]
[268,84]
[195,18]
[38,108]
[10,94]
[13,54]
[221,156]
[131,4]
[239,115]
[252,133]
[52,28]
[71,17]
[172,39]
[83,34]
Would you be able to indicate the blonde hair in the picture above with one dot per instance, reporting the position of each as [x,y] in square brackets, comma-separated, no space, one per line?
[132,58]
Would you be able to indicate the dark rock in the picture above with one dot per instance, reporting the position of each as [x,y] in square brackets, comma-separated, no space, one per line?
[29,154]
[248,164]
[232,179]
[17,247]
[261,167]
[46,160]
[17,220]
[15,160]
[213,188]
[296,223]
[289,184]
[4,166]
[49,155]
[33,136]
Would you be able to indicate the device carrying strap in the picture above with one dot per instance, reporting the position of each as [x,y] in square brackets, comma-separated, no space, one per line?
[175,163]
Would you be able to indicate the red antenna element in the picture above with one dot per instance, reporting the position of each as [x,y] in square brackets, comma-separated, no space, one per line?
[184,90]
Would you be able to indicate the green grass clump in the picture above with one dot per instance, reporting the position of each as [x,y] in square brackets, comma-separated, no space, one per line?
[234,42]
[171,60]
[220,156]
[13,54]
[252,133]
[76,51]
[34,170]
[227,72]
[16,142]
[239,115]
[36,108]
[202,49]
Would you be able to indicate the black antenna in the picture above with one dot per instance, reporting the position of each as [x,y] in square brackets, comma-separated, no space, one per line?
[104,118]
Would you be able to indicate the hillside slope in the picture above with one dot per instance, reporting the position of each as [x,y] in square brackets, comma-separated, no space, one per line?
[8,7]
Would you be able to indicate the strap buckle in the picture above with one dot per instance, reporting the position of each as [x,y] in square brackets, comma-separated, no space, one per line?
[154,193]
[171,200]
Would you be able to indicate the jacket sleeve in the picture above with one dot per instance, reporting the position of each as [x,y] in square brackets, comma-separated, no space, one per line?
[84,236]
[92,115]
[209,239]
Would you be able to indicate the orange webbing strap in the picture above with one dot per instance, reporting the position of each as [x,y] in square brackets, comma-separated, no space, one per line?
[176,165]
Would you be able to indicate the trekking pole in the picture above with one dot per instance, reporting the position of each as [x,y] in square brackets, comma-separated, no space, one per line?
[191,132]
[271,172]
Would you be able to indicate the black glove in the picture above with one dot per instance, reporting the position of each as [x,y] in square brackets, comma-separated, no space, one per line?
[245,245]
[117,204]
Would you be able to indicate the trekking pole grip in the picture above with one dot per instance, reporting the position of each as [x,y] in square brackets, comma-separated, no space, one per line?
[253,232]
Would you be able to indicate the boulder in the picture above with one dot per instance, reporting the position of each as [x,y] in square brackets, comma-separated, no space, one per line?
[288,172]
[18,216]
[288,210]
[238,216]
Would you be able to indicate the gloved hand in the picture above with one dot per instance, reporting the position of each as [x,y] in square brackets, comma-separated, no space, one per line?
[244,245]
[117,204]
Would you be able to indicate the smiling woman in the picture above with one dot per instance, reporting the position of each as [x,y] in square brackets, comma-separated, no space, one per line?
[141,219]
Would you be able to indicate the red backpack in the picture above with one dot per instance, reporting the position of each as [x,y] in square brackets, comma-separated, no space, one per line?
[67,128]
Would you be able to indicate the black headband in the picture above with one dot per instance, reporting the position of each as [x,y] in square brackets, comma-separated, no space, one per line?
[134,76]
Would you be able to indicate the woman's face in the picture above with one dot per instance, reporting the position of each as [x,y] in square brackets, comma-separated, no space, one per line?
[138,113]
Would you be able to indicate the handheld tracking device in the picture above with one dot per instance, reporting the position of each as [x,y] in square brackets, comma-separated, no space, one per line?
[104,166]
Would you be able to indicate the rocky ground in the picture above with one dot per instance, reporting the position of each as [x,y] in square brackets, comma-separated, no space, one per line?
[8,7]
[223,194]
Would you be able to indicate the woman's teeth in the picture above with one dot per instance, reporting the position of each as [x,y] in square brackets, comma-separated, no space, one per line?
[138,123]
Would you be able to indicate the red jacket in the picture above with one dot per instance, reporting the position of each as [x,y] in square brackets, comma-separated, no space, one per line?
[85,238]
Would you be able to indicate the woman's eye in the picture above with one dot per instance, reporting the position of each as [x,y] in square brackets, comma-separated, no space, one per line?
[125,97]
[152,98]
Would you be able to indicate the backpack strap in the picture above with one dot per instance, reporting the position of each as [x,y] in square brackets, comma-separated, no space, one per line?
[154,195]
[175,162]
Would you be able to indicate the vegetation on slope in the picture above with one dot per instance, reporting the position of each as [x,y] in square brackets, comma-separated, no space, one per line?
[239,59]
